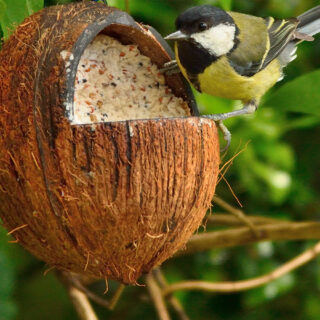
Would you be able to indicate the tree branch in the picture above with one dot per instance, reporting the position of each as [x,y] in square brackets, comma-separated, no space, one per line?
[237,213]
[156,295]
[243,236]
[246,284]
[78,298]
[116,297]
[81,304]
[175,303]
[227,220]
[69,279]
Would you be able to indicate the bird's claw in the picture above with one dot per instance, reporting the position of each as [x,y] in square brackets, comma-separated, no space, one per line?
[226,136]
[170,68]
[226,133]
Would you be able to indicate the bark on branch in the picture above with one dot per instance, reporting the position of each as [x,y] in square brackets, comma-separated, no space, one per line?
[227,220]
[246,284]
[243,236]
[157,298]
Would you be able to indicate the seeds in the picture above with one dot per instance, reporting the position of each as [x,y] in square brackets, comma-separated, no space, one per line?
[116,82]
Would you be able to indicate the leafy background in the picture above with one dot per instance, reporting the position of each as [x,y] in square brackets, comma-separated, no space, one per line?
[277,175]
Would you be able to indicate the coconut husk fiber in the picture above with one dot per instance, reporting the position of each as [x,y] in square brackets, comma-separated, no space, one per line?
[111,200]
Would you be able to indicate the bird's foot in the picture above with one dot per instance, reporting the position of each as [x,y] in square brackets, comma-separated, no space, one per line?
[170,68]
[225,132]
[249,108]
[226,136]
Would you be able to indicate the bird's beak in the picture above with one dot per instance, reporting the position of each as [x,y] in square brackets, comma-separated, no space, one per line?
[178,35]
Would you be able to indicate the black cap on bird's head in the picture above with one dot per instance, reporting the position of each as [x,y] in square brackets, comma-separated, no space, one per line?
[207,26]
[200,18]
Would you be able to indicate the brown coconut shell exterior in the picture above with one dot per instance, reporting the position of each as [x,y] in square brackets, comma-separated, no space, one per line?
[111,201]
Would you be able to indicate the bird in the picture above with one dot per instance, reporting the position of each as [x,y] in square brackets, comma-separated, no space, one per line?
[235,55]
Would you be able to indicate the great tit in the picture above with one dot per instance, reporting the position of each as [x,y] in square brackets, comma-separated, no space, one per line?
[237,56]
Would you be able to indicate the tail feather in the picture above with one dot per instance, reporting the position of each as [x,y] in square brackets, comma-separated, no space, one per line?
[310,25]
[310,21]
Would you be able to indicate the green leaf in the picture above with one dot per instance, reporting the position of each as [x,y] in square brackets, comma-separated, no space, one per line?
[226,4]
[15,11]
[209,104]
[8,310]
[34,5]
[3,7]
[7,307]
[300,95]
[302,123]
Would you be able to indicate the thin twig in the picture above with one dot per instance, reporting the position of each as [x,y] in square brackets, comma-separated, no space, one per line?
[227,163]
[100,301]
[227,220]
[175,303]
[75,281]
[81,304]
[247,284]
[236,212]
[232,191]
[243,236]
[116,297]
[156,295]
[78,298]
[70,279]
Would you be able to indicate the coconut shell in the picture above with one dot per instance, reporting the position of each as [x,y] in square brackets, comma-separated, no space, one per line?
[109,201]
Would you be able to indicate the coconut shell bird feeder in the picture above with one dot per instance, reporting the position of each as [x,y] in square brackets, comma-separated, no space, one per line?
[109,193]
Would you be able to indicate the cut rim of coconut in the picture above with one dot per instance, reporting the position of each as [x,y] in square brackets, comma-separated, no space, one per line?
[122,27]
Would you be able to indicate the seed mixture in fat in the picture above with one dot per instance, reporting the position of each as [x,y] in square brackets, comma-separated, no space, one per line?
[116,82]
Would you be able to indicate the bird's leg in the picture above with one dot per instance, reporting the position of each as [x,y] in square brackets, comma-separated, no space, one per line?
[249,108]
[170,68]
[226,135]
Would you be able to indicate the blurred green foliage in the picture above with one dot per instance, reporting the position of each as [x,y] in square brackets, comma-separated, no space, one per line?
[276,175]
[13,12]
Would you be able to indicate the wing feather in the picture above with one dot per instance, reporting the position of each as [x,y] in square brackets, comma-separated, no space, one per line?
[279,33]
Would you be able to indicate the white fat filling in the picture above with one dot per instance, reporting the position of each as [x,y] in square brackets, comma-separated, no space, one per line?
[218,40]
[116,82]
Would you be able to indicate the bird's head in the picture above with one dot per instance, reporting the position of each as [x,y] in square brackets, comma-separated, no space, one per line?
[209,27]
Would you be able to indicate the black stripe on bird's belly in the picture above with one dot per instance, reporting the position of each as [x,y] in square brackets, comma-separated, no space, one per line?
[195,59]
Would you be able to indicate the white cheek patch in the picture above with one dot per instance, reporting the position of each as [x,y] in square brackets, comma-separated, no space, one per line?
[219,40]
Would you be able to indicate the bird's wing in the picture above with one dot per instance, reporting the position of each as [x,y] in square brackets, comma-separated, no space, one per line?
[274,36]
[281,32]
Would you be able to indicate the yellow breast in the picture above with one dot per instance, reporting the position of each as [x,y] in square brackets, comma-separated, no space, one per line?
[220,79]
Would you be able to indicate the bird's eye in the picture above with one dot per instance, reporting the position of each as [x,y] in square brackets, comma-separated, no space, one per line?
[202,26]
